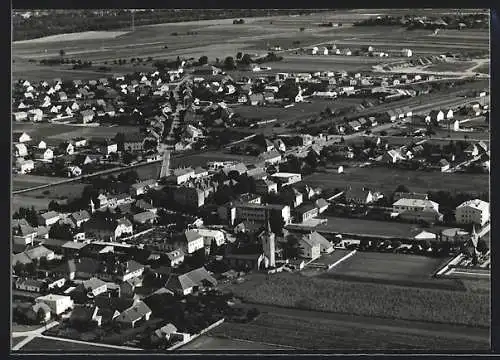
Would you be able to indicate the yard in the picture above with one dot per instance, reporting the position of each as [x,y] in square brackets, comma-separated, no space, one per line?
[309,330]
[389,268]
[19,201]
[387,180]
[26,181]
[367,299]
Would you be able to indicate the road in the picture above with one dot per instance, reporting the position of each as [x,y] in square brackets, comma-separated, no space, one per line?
[30,335]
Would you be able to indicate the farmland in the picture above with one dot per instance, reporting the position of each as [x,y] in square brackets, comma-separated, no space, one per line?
[388,179]
[367,299]
[40,344]
[28,181]
[304,330]
[450,66]
[64,132]
[410,270]
[209,342]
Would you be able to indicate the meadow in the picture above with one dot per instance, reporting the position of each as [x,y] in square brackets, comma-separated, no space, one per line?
[366,299]
[387,180]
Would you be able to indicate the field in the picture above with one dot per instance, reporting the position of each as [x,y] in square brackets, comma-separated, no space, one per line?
[220,38]
[63,132]
[17,340]
[450,66]
[19,201]
[484,69]
[367,299]
[26,181]
[387,180]
[410,270]
[370,227]
[209,342]
[309,330]
[39,344]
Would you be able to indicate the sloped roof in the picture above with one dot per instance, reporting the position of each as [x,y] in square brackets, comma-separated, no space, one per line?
[134,313]
[190,279]
[38,252]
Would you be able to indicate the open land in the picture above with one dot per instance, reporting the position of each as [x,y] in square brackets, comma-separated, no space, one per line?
[64,132]
[210,342]
[388,179]
[303,330]
[410,270]
[40,344]
[367,299]
[220,38]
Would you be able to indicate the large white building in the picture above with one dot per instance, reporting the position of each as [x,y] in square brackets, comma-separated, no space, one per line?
[57,303]
[403,205]
[211,235]
[252,212]
[473,212]
[283,179]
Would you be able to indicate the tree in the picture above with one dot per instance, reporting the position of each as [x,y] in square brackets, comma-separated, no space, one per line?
[246,60]
[54,206]
[61,231]
[239,55]
[291,247]
[19,269]
[302,29]
[62,52]
[229,63]
[40,316]
[213,247]
[203,60]
[482,246]
[276,222]
[402,188]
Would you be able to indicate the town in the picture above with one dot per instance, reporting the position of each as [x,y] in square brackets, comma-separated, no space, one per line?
[196,204]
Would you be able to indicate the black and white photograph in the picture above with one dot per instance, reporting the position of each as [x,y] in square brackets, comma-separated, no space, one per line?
[250,180]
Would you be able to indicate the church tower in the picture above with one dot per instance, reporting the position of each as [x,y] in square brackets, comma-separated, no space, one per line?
[269,245]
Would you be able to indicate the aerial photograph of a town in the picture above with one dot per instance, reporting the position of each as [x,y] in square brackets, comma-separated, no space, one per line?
[267,180]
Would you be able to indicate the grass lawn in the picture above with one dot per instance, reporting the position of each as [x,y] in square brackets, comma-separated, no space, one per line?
[454,66]
[321,332]
[387,180]
[28,181]
[367,299]
[65,132]
[210,342]
[483,69]
[410,270]
[39,344]
[19,201]
[17,340]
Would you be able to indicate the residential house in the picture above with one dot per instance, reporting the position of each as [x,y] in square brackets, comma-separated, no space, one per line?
[145,217]
[86,116]
[20,150]
[392,156]
[24,233]
[135,314]
[360,196]
[270,157]
[20,116]
[109,229]
[142,187]
[190,197]
[29,285]
[79,217]
[291,196]
[306,212]
[189,241]
[411,195]
[175,257]
[443,165]
[191,282]
[35,115]
[44,154]
[93,286]
[40,252]
[24,166]
[133,142]
[321,205]
[473,212]
[48,218]
[263,187]
[22,138]
[210,236]
[417,210]
[181,175]
[84,315]
[435,115]
[58,304]
[310,249]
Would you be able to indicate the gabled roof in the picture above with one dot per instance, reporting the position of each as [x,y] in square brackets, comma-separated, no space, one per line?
[50,215]
[93,283]
[134,313]
[38,252]
[176,254]
[190,279]
[80,215]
